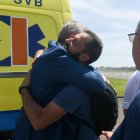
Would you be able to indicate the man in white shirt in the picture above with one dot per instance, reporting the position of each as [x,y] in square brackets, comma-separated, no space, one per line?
[132,88]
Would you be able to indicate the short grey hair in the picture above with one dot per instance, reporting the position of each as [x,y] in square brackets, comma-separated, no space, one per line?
[71,27]
[138,27]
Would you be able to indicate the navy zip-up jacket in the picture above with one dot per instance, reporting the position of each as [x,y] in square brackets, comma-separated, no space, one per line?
[53,68]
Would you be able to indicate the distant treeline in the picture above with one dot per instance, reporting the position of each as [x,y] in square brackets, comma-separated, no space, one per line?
[116,68]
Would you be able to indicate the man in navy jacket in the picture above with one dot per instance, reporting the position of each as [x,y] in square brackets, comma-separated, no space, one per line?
[57,66]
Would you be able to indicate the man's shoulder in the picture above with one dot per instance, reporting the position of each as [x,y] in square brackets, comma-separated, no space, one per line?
[137,74]
[55,45]
[135,78]
[54,50]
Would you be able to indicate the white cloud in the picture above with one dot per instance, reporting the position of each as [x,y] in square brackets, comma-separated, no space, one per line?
[104,9]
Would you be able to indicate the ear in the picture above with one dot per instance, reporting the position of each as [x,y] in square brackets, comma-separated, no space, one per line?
[84,57]
[72,35]
[70,38]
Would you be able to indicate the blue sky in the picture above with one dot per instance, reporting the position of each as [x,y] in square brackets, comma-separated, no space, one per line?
[111,20]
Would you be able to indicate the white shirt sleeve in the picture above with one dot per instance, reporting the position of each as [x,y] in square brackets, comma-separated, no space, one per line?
[132,88]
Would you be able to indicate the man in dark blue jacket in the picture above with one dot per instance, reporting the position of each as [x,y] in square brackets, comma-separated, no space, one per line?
[56,66]
[129,128]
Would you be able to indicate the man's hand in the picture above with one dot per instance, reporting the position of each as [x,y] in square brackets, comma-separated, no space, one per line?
[107,134]
[37,54]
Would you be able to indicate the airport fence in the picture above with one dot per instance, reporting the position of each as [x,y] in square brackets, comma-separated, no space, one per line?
[117,74]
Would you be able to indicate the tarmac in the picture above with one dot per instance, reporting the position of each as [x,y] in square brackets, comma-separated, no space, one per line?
[120,117]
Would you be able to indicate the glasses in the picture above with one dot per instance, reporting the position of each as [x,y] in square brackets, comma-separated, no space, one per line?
[131,36]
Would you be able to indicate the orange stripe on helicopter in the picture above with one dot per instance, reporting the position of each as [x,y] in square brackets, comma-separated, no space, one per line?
[19,41]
